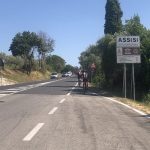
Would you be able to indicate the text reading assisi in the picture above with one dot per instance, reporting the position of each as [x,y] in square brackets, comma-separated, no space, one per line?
[128,39]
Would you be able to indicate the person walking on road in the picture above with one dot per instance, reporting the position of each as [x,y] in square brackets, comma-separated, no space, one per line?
[85,80]
[79,78]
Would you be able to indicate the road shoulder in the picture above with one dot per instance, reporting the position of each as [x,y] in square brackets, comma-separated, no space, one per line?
[135,105]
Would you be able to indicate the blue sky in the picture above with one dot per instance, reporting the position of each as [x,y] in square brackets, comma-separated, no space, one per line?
[73,24]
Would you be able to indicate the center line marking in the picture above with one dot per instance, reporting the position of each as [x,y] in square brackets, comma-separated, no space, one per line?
[62,101]
[68,94]
[33,132]
[76,84]
[53,111]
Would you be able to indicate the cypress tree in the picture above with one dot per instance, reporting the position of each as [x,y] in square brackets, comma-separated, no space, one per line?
[113,16]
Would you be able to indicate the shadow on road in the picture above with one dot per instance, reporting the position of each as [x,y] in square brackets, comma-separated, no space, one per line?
[89,92]
[71,81]
[58,86]
[147,116]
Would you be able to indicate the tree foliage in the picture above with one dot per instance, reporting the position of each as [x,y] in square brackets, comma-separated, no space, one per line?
[13,62]
[113,16]
[45,48]
[105,50]
[23,45]
[68,68]
[134,27]
[30,46]
[56,62]
[87,58]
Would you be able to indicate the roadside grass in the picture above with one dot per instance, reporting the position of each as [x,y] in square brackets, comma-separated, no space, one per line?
[136,104]
[19,76]
[139,103]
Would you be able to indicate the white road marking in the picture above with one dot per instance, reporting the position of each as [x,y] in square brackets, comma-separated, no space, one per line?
[62,101]
[2,95]
[33,132]
[68,94]
[76,84]
[53,111]
[22,88]
[138,111]
[93,93]
[12,89]
[72,89]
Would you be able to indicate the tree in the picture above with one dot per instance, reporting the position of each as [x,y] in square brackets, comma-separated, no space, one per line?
[113,16]
[87,58]
[46,47]
[56,62]
[134,27]
[22,45]
[142,74]
[68,68]
[109,67]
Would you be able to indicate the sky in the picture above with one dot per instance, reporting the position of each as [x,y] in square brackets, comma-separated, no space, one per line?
[73,24]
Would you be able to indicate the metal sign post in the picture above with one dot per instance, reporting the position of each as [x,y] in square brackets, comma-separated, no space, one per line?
[128,51]
[133,79]
[125,81]
[1,76]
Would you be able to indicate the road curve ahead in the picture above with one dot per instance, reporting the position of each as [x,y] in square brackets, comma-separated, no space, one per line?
[57,115]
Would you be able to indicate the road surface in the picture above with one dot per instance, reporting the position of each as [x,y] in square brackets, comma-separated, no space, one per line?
[56,115]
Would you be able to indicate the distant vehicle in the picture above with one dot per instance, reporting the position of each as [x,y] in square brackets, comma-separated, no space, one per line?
[67,74]
[54,75]
[64,75]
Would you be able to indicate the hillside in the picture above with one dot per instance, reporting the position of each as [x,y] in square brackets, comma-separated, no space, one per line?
[8,76]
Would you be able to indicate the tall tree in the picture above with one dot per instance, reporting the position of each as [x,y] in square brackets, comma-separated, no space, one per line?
[46,47]
[22,45]
[113,16]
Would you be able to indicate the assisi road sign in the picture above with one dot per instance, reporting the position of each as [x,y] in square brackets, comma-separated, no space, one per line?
[128,49]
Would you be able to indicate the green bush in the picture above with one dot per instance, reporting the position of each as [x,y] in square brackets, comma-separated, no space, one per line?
[98,80]
[146,98]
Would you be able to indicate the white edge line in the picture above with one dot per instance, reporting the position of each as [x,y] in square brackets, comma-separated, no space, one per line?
[53,111]
[62,101]
[33,132]
[138,111]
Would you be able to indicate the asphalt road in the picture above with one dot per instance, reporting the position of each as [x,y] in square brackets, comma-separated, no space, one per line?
[56,115]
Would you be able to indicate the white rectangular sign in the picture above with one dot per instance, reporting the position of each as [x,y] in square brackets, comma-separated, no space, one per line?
[129,59]
[128,49]
[128,41]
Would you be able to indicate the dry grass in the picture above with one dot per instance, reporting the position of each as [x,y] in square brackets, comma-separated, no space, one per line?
[135,104]
[19,76]
[138,104]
